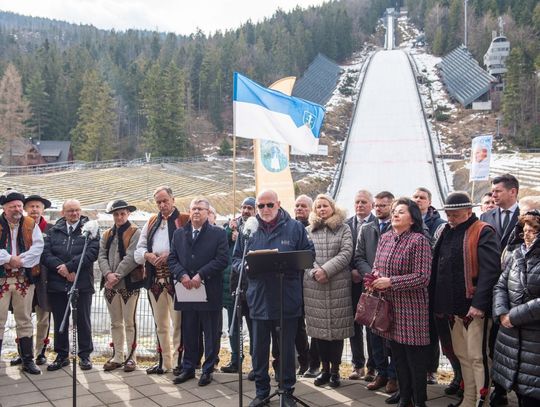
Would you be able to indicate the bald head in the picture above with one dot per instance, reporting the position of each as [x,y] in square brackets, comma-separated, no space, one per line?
[268,205]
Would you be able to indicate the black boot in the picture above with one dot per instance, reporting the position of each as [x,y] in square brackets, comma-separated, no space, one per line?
[334,376]
[324,376]
[16,361]
[27,352]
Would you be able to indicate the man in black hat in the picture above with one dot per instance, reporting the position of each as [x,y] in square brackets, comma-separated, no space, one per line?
[122,279]
[21,245]
[466,266]
[34,206]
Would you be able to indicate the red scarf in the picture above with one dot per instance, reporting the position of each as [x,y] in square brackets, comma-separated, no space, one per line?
[42,224]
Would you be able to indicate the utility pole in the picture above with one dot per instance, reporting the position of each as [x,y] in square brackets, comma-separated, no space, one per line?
[465,29]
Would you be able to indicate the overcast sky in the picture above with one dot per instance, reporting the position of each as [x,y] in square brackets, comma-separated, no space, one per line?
[178,16]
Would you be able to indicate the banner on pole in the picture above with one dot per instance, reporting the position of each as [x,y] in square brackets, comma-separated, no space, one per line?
[269,114]
[480,157]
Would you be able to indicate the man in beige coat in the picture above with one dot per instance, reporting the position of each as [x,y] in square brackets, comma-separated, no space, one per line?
[122,278]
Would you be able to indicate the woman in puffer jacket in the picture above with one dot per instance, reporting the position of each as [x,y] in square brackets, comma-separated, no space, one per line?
[516,306]
[327,287]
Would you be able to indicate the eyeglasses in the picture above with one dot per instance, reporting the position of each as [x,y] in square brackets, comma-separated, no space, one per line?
[381,205]
[533,212]
[196,208]
[268,205]
[528,232]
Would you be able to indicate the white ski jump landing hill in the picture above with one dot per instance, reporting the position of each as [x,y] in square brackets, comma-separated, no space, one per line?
[388,146]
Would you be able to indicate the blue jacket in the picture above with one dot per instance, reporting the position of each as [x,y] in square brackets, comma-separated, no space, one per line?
[263,290]
[433,220]
[207,255]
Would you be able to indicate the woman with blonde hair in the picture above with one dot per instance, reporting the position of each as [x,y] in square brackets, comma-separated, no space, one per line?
[327,287]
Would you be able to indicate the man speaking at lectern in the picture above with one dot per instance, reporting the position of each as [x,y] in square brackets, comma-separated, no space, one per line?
[277,230]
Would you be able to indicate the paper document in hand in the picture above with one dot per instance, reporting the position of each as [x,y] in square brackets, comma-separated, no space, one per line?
[192,295]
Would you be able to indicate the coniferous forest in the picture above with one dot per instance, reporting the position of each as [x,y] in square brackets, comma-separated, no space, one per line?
[120,94]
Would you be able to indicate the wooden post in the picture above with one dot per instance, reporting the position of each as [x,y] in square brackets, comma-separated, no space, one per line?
[234,177]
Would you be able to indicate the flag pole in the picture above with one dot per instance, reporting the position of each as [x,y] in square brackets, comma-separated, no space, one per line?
[234,177]
[472,192]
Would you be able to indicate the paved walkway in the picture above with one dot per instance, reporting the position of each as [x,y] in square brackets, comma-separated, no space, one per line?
[99,388]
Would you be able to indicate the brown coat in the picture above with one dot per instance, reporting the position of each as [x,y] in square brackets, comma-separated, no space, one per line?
[328,306]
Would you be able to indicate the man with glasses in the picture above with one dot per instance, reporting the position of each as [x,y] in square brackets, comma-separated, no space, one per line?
[198,257]
[153,251]
[61,256]
[277,230]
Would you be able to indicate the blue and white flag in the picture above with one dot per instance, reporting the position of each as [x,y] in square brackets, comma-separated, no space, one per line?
[266,114]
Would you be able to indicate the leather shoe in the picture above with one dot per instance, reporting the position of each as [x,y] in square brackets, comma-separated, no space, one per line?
[393,399]
[205,379]
[357,373]
[85,364]
[41,359]
[322,379]
[230,368]
[379,382]
[184,377]
[58,363]
[130,365]
[335,380]
[257,402]
[177,370]
[370,376]
[312,372]
[302,369]
[391,386]
[30,367]
[251,375]
[156,369]
[16,361]
[110,365]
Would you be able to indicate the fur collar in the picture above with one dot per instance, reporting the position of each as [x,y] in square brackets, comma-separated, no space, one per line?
[333,222]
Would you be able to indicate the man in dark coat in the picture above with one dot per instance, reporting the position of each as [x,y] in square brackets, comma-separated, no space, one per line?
[198,257]
[503,218]
[277,230]
[466,266]
[230,282]
[363,205]
[432,219]
[62,254]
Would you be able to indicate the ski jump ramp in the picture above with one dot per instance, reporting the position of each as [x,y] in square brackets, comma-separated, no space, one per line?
[388,145]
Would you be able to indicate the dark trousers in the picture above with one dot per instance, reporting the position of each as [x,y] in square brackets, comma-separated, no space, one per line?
[301,344]
[411,368]
[191,321]
[330,351]
[262,333]
[357,347]
[233,336]
[58,303]
[314,358]
[443,333]
[525,401]
[381,357]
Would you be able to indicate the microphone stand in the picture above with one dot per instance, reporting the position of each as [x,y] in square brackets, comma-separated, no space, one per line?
[238,313]
[72,303]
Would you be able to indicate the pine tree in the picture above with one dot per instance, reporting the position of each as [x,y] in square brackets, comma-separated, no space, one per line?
[39,105]
[14,113]
[94,135]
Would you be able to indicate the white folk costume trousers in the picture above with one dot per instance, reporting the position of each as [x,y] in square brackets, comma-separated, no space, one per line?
[122,305]
[164,314]
[20,293]
[472,349]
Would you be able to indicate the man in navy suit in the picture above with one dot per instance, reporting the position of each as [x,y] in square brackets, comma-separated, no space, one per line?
[199,254]
[505,190]
[503,218]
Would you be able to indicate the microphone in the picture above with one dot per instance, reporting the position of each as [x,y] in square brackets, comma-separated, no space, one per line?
[90,229]
[250,227]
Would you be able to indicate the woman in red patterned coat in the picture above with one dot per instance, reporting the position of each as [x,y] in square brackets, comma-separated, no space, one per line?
[401,269]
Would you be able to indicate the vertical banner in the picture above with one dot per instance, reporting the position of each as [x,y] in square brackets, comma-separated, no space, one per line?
[480,157]
[272,160]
